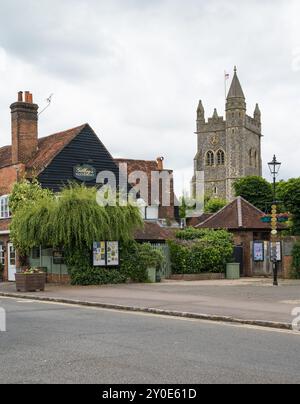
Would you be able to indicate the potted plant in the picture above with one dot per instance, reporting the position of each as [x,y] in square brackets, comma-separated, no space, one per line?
[30,280]
[152,260]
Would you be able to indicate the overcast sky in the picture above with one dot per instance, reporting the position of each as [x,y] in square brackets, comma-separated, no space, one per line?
[135,70]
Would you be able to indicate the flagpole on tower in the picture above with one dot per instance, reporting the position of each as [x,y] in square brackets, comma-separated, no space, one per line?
[226,77]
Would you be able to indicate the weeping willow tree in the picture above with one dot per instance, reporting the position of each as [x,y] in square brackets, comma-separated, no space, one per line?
[72,220]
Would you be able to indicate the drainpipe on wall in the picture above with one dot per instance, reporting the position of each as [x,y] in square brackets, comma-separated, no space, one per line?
[41,259]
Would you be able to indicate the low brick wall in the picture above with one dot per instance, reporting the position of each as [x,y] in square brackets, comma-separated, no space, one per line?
[60,279]
[197,277]
[287,266]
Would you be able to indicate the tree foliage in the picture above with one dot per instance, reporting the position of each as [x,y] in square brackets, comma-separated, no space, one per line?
[255,190]
[191,233]
[213,205]
[27,192]
[296,261]
[289,193]
[73,220]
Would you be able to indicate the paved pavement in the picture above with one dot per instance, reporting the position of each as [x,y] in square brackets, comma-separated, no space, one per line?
[50,343]
[249,299]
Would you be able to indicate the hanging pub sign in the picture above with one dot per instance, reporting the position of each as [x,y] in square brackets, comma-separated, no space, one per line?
[106,254]
[58,257]
[85,173]
[258,251]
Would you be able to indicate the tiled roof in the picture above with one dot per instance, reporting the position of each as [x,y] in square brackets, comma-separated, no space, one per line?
[146,166]
[48,148]
[154,232]
[238,215]
[5,156]
[194,221]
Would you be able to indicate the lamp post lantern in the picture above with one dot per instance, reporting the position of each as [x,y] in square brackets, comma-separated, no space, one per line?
[274,167]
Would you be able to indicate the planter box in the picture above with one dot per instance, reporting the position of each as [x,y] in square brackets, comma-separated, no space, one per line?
[30,283]
[197,277]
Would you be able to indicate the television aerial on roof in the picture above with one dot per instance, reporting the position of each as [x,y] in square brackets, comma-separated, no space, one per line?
[48,100]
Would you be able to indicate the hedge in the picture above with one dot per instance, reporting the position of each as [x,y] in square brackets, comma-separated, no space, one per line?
[296,261]
[198,251]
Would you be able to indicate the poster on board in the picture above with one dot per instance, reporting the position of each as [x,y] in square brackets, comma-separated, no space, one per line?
[99,254]
[58,257]
[278,250]
[258,251]
[112,253]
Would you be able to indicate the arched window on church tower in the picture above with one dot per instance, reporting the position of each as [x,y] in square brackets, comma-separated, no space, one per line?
[221,158]
[210,158]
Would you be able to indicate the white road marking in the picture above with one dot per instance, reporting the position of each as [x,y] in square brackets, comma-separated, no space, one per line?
[292,302]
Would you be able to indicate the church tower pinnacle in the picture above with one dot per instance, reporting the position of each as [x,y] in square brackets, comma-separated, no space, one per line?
[235,98]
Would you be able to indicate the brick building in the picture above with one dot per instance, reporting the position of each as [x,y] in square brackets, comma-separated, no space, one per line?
[56,160]
[165,212]
[243,220]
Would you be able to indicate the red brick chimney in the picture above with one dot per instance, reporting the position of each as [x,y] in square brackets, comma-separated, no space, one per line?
[160,163]
[24,128]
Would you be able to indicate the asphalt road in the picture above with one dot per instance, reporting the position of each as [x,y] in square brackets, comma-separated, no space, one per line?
[51,343]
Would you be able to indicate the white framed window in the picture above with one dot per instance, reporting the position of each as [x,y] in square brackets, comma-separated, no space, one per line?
[152,212]
[4,207]
[148,212]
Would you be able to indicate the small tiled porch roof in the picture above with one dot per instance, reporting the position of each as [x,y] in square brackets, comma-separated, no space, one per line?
[238,215]
[153,231]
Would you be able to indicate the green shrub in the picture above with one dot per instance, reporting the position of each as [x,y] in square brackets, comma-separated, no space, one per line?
[214,205]
[134,260]
[197,234]
[131,267]
[296,261]
[179,257]
[137,258]
[150,257]
[199,250]
[96,276]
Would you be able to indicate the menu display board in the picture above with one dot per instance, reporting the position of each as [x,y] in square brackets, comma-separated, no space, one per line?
[106,254]
[112,253]
[58,257]
[258,251]
[99,254]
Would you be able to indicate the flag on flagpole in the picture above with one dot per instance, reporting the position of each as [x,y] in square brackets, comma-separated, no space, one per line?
[226,78]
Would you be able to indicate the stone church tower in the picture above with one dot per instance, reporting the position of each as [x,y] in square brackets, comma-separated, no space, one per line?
[228,149]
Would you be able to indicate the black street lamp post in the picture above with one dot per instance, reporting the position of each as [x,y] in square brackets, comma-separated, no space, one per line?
[274,167]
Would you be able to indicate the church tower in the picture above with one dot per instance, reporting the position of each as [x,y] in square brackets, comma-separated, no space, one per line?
[230,148]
